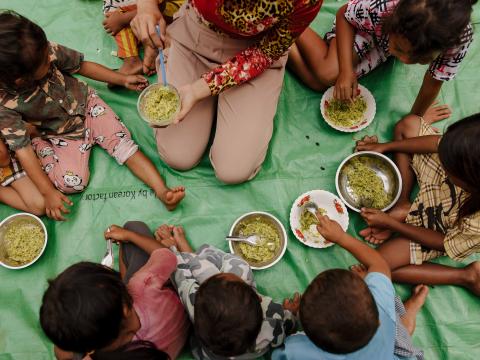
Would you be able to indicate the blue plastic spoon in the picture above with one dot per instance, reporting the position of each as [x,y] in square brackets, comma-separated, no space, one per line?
[162,59]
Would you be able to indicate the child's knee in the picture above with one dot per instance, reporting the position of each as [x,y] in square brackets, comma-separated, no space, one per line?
[36,206]
[69,182]
[407,127]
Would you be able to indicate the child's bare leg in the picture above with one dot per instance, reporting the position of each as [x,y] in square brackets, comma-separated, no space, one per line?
[436,274]
[131,66]
[181,240]
[315,55]
[397,254]
[143,168]
[301,69]
[23,195]
[413,306]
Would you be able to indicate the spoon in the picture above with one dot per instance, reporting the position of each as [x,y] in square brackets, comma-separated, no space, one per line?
[108,258]
[250,240]
[253,240]
[311,207]
[162,59]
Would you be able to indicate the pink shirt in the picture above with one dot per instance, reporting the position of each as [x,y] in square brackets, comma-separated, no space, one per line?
[161,313]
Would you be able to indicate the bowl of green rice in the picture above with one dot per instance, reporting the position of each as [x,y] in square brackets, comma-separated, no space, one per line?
[23,239]
[273,239]
[159,104]
[368,179]
[348,116]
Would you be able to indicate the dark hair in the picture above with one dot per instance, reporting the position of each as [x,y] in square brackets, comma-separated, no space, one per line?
[136,350]
[227,316]
[430,25]
[22,48]
[338,312]
[83,307]
[459,152]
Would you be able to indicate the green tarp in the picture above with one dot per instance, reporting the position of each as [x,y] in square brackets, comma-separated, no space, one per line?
[447,328]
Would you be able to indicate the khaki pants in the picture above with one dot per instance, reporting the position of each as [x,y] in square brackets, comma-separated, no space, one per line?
[244,113]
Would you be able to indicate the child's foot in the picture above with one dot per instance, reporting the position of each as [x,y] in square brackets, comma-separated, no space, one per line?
[172,197]
[359,269]
[181,240]
[131,66]
[150,54]
[377,236]
[473,275]
[163,234]
[413,306]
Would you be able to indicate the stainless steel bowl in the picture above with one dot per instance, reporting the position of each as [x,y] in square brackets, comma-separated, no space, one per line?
[141,102]
[234,231]
[386,170]
[4,261]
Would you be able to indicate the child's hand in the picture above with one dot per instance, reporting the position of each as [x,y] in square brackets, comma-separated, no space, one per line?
[346,86]
[55,205]
[135,82]
[117,234]
[436,113]
[113,22]
[330,229]
[293,305]
[376,218]
[370,143]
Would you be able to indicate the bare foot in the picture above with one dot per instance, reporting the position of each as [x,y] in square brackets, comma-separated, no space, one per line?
[150,54]
[413,306]
[359,269]
[131,66]
[375,236]
[164,235]
[181,240]
[473,274]
[172,197]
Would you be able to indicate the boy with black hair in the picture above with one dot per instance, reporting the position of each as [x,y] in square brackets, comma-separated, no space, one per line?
[231,319]
[355,314]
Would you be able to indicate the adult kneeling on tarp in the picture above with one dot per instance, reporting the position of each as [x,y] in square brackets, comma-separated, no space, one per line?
[226,59]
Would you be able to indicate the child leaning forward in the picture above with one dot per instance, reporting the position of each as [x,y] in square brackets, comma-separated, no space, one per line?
[37,88]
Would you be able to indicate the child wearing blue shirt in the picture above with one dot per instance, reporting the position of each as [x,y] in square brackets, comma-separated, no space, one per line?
[354,315]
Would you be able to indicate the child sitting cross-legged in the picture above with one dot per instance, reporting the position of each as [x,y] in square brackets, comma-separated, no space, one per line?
[37,88]
[231,319]
[444,218]
[92,312]
[354,314]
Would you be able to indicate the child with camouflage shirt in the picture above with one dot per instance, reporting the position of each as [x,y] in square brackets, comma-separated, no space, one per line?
[37,88]
[231,319]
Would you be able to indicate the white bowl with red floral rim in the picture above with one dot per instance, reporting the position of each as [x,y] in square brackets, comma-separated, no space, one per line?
[331,205]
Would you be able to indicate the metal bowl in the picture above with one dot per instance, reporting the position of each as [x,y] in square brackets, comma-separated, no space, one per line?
[4,261]
[234,231]
[141,104]
[386,170]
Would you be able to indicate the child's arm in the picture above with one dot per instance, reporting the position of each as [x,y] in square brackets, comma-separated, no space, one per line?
[373,261]
[427,95]
[101,73]
[4,154]
[54,199]
[417,145]
[429,238]
[346,84]
[147,244]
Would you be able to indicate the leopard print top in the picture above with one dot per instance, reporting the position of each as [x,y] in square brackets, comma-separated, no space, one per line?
[276,24]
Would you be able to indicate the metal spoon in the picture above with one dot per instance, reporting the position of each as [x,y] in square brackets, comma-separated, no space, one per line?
[311,207]
[108,258]
[250,240]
